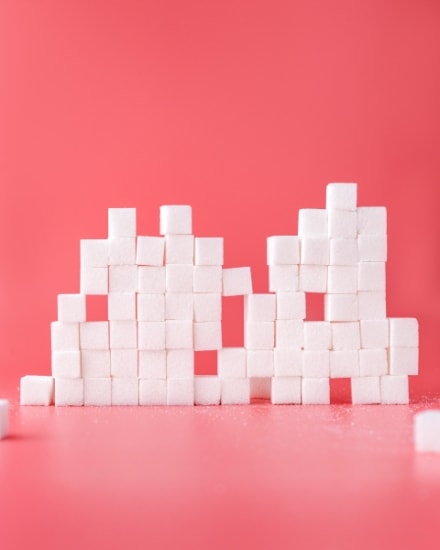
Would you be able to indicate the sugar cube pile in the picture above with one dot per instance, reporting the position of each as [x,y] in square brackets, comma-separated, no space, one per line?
[165,296]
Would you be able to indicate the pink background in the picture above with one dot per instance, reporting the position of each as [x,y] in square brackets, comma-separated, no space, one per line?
[245,110]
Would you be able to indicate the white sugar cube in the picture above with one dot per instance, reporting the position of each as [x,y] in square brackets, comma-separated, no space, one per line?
[36,390]
[98,391]
[69,392]
[207,390]
[427,431]
[150,251]
[94,280]
[373,362]
[286,390]
[208,251]
[316,363]
[208,336]
[260,307]
[122,306]
[404,361]
[151,279]
[125,391]
[95,363]
[372,305]
[151,335]
[259,363]
[175,220]
[289,333]
[341,196]
[180,364]
[94,335]
[179,305]
[153,364]
[94,252]
[64,336]
[179,249]
[236,391]
[179,335]
[317,335]
[371,276]
[341,307]
[151,307]
[342,224]
[66,364]
[231,362]
[283,278]
[342,279]
[372,220]
[180,391]
[315,251]
[346,336]
[287,362]
[312,222]
[313,278]
[121,222]
[71,308]
[124,363]
[123,334]
[365,390]
[344,363]
[152,392]
[374,333]
[343,251]
[237,281]
[394,390]
[260,387]
[207,307]
[4,418]
[259,335]
[123,278]
[208,278]
[179,278]
[291,305]
[122,251]
[404,332]
[283,250]
[315,391]
[372,248]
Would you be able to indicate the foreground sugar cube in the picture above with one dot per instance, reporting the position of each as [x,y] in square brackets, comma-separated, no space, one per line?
[165,296]
[427,431]
[4,418]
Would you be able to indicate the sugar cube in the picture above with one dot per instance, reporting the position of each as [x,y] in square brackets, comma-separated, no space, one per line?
[125,391]
[123,278]
[372,248]
[153,364]
[71,308]
[69,392]
[231,362]
[259,335]
[152,392]
[372,305]
[208,336]
[237,281]
[344,363]
[312,222]
[286,390]
[315,391]
[179,278]
[259,363]
[179,305]
[96,363]
[122,306]
[342,279]
[94,280]
[175,220]
[207,307]
[151,279]
[346,336]
[342,224]
[64,336]
[291,305]
[66,364]
[179,335]
[94,252]
[283,278]
[394,390]
[235,391]
[404,361]
[208,278]
[123,334]
[151,307]
[260,387]
[180,391]
[373,362]
[151,335]
[150,251]
[372,220]
[287,362]
[124,363]
[207,390]
[94,335]
[404,332]
[208,251]
[289,333]
[283,250]
[180,364]
[343,252]
[179,249]
[317,335]
[427,431]
[371,276]
[315,251]
[122,251]
[341,196]
[36,390]
[374,333]
[316,363]
[341,307]
[98,391]
[260,307]
[121,222]
[365,390]
[313,278]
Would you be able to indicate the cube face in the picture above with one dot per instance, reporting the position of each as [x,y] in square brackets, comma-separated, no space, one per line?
[94,252]
[259,335]
[394,390]
[124,363]
[152,392]
[288,362]
[236,391]
[291,305]
[207,336]
[180,392]
[312,222]
[207,390]
[313,278]
[179,278]
[289,334]
[404,361]
[315,391]
[150,251]
[151,335]
[372,220]
[179,306]
[283,250]
[207,307]
[374,333]
[66,364]
[346,336]
[315,251]
[316,364]
[283,278]
[342,279]
[64,336]
[180,364]
[208,251]
[317,335]
[237,281]
[207,279]
[123,334]
[427,431]
[179,335]
[125,391]
[151,307]
[96,363]
[260,307]
[122,251]
[179,249]
[343,252]
[373,362]
[123,278]
[404,333]
[121,222]
[342,224]
[175,220]
[372,248]
[231,362]
[344,364]
[151,280]
[365,390]
[69,392]
[94,335]
[71,308]
[152,365]
[260,363]
[341,196]
[286,390]
[36,390]
[94,280]
[98,392]
[122,306]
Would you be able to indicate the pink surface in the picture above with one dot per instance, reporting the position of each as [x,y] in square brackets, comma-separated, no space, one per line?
[244,110]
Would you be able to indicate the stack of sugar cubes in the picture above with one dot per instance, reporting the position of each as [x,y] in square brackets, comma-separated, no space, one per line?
[165,304]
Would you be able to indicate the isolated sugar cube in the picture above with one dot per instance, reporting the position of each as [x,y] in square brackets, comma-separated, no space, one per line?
[152,364]
[260,307]
[231,362]
[95,363]
[36,390]
[152,392]
[94,252]
[207,390]
[175,220]
[125,391]
[283,250]
[4,418]
[427,431]
[237,281]
[150,251]
[283,278]
[312,222]
[69,392]
[236,391]
[315,391]
[98,391]
[208,251]
[121,222]
[365,390]
[286,390]
[341,196]
[71,308]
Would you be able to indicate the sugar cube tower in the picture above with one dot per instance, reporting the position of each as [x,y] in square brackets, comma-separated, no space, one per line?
[165,304]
